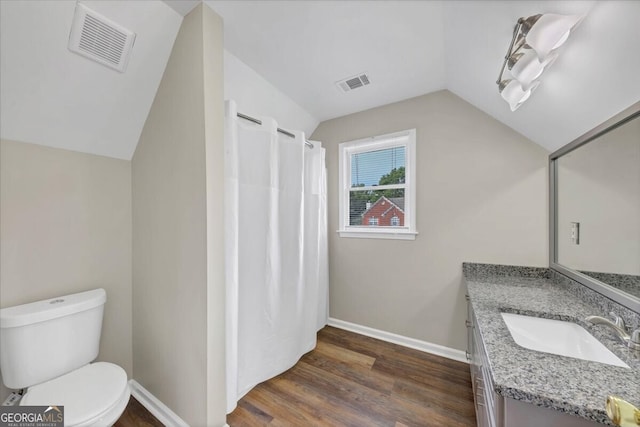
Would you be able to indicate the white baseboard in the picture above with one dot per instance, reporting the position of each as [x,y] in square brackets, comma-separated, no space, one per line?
[427,347]
[159,410]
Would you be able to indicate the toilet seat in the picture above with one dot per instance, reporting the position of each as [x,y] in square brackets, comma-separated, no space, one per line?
[91,395]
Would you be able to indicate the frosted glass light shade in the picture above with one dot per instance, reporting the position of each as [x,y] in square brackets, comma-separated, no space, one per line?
[549,32]
[513,92]
[526,67]
[550,59]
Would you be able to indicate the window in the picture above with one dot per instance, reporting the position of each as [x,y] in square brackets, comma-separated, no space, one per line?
[377,187]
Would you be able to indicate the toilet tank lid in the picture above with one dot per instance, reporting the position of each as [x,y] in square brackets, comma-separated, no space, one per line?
[40,311]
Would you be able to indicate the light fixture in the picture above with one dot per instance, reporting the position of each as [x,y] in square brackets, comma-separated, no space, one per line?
[532,50]
[526,67]
[514,93]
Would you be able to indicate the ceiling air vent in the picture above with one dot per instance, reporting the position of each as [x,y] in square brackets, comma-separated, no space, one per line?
[98,38]
[351,83]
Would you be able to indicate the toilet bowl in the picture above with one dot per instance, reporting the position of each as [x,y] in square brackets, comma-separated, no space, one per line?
[94,395]
[68,327]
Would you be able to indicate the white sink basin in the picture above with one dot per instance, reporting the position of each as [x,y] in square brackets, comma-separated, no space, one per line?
[558,337]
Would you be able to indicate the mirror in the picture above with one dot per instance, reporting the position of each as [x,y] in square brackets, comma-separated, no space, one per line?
[595,209]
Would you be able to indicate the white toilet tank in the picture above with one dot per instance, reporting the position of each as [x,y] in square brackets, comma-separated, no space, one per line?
[45,339]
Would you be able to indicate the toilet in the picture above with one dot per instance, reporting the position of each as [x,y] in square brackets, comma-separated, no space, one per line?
[47,347]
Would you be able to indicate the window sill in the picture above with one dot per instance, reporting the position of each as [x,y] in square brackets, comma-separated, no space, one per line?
[379,234]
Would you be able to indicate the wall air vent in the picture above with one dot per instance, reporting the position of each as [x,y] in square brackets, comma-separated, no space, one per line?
[98,38]
[351,83]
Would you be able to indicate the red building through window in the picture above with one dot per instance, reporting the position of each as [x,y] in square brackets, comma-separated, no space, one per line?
[385,212]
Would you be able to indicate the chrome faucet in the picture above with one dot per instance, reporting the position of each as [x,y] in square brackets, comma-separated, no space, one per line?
[618,326]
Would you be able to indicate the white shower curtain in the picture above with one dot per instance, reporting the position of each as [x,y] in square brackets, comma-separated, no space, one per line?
[276,250]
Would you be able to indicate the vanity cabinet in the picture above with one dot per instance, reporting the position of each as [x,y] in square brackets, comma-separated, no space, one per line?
[494,410]
[489,405]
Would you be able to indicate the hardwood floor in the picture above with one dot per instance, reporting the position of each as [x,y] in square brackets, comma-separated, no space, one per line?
[353,380]
[136,415]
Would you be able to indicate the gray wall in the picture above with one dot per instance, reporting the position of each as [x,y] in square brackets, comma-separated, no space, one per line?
[178,286]
[481,196]
[213,65]
[599,187]
[65,226]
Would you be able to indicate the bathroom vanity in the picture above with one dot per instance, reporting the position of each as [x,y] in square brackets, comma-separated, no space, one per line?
[516,386]
[521,376]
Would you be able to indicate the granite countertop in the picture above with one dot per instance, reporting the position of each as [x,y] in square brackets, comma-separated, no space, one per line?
[566,384]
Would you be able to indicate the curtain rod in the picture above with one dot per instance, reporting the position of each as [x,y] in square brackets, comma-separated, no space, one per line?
[259,122]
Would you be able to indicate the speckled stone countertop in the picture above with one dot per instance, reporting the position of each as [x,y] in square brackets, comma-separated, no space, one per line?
[566,384]
[625,282]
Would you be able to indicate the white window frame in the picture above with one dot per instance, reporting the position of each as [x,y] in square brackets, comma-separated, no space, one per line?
[406,138]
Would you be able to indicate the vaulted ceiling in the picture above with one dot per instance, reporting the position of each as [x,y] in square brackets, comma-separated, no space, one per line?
[303,48]
[53,97]
[414,47]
